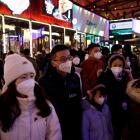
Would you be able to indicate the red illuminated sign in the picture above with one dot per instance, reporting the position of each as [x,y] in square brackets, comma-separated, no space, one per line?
[34,12]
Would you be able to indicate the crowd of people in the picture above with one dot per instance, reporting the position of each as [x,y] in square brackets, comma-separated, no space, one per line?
[70,95]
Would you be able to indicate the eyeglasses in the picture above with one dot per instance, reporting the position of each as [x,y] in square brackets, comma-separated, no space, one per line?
[64,59]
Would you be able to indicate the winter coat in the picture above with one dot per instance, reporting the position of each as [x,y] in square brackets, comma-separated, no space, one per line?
[30,126]
[65,95]
[116,95]
[134,111]
[90,72]
[96,125]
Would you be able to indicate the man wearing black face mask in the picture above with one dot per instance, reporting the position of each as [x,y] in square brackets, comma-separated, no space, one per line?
[62,86]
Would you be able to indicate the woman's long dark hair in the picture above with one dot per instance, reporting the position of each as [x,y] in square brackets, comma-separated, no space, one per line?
[9,106]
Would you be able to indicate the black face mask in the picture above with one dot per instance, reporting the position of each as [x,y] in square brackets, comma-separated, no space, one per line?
[97,106]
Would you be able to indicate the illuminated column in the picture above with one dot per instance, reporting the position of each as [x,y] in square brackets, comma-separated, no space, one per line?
[3,30]
[31,43]
[64,34]
[50,36]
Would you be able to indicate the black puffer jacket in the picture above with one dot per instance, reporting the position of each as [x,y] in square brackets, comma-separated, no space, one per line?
[65,95]
[116,94]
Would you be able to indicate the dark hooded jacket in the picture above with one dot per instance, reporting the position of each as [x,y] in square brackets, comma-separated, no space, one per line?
[116,94]
[65,95]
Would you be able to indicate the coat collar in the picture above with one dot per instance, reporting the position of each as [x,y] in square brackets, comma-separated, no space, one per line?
[26,104]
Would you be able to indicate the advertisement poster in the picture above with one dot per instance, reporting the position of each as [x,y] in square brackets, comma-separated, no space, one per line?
[88,22]
[60,9]
[16,6]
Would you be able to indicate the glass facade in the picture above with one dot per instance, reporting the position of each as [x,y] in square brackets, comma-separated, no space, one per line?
[40,37]
[17,34]
[69,37]
[57,35]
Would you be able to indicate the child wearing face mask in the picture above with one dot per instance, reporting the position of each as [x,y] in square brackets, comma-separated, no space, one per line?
[96,121]
[25,113]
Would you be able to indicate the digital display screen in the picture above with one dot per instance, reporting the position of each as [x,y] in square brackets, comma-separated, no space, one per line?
[136,26]
[16,6]
[60,9]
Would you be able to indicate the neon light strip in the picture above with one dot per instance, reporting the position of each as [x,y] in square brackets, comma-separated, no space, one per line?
[50,35]
[31,43]
[3,30]
[39,22]
[57,26]
[16,18]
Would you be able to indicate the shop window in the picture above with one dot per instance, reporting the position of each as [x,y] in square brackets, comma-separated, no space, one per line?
[40,37]
[69,37]
[57,35]
[17,34]
[80,40]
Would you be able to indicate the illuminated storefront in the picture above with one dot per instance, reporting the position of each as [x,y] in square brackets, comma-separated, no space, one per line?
[95,27]
[36,25]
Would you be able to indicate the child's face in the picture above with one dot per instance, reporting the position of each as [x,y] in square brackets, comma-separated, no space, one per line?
[99,98]
[117,63]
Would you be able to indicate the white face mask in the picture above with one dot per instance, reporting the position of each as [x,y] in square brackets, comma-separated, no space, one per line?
[76,60]
[100,100]
[66,66]
[27,88]
[116,71]
[98,55]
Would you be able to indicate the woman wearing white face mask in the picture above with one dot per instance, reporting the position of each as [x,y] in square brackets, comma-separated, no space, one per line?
[115,78]
[25,113]
[96,121]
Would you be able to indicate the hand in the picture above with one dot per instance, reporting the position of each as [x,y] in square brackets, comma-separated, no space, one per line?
[99,72]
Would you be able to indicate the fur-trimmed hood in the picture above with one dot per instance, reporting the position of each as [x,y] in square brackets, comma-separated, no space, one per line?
[133,90]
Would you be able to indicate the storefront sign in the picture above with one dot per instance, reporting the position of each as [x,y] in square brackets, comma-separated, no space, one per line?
[121,25]
[17,6]
[136,26]
[90,23]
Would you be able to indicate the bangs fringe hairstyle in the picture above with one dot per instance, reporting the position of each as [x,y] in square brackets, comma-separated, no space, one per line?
[115,57]
[100,88]
[9,106]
